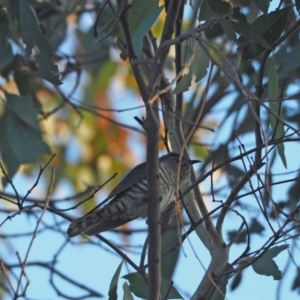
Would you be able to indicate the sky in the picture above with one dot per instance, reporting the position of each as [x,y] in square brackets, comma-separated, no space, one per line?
[95,266]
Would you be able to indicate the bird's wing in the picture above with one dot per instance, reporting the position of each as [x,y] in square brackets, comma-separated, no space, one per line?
[90,225]
[136,174]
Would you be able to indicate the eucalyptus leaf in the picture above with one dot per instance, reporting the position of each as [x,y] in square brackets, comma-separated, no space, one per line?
[20,135]
[184,84]
[297,2]
[219,6]
[140,289]
[200,64]
[127,293]
[265,265]
[33,37]
[273,94]
[263,5]
[112,293]
[143,28]
[6,54]
[266,29]
[139,11]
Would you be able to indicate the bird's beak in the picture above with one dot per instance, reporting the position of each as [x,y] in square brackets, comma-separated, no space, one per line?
[195,161]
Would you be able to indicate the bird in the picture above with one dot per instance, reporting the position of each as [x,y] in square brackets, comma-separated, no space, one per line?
[129,199]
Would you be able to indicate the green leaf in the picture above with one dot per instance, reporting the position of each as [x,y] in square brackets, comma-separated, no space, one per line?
[273,93]
[137,284]
[287,58]
[33,37]
[265,265]
[205,13]
[255,227]
[127,293]
[143,29]
[227,28]
[296,283]
[242,27]
[184,84]
[200,63]
[219,6]
[6,54]
[263,5]
[297,2]
[139,11]
[271,26]
[198,66]
[274,251]
[273,87]
[98,52]
[266,29]
[112,293]
[169,261]
[140,289]
[237,279]
[20,135]
[4,24]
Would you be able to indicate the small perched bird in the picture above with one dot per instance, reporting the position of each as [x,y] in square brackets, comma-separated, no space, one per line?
[130,199]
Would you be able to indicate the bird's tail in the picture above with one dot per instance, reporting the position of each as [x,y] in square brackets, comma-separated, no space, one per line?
[94,223]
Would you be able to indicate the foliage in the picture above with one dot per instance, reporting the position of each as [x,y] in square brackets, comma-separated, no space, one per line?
[84,86]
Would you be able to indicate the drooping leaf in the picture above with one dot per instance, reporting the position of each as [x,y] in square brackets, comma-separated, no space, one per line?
[6,54]
[273,87]
[127,294]
[219,6]
[274,251]
[4,23]
[296,282]
[234,174]
[263,5]
[139,11]
[297,2]
[287,59]
[273,93]
[266,30]
[227,28]
[271,26]
[265,265]
[184,84]
[242,27]
[20,134]
[205,13]
[236,281]
[294,195]
[143,28]
[255,227]
[140,289]
[112,293]
[137,284]
[98,51]
[33,37]
[200,63]
[169,261]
